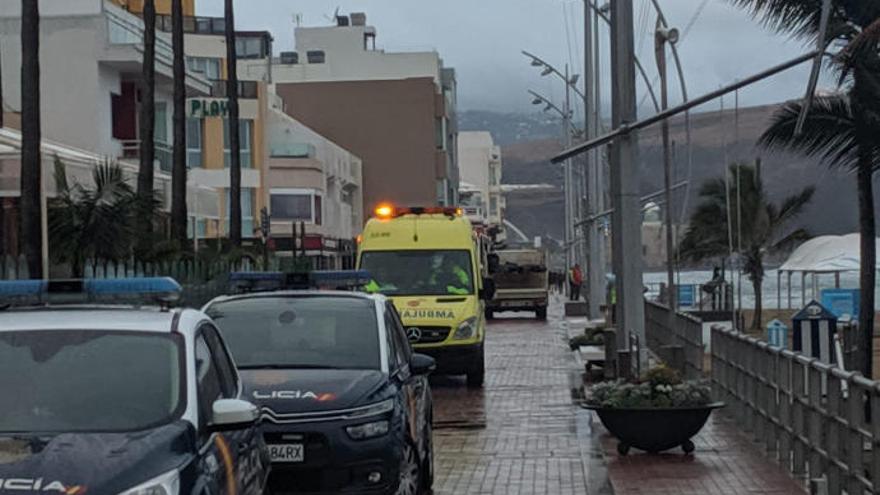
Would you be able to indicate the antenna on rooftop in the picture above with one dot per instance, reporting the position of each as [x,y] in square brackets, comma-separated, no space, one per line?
[298,19]
[332,18]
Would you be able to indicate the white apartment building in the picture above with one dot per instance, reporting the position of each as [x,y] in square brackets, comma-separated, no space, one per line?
[91,57]
[480,164]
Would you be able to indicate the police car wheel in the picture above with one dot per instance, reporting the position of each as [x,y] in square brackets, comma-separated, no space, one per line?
[409,472]
[428,469]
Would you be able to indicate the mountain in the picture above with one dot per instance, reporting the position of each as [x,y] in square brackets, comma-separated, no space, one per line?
[528,143]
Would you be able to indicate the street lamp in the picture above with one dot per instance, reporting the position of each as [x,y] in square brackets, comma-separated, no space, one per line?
[662,36]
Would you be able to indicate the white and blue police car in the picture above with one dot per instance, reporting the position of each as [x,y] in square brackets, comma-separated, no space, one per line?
[118,399]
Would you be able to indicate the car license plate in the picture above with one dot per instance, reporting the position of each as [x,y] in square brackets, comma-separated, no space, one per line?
[287,452]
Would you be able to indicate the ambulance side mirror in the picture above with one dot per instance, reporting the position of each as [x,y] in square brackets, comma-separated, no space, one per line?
[488,290]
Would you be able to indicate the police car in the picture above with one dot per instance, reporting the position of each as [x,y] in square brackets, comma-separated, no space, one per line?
[100,399]
[346,403]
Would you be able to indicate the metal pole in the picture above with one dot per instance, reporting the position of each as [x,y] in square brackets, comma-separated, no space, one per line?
[626,230]
[600,158]
[569,182]
[649,121]
[595,270]
[660,39]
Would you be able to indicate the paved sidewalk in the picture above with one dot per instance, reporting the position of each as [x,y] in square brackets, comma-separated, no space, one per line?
[520,434]
[725,462]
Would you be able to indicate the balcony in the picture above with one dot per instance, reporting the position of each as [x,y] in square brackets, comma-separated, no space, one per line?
[246,89]
[131,149]
[248,44]
[292,150]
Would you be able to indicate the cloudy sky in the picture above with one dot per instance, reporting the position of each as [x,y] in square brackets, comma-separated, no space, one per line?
[482,39]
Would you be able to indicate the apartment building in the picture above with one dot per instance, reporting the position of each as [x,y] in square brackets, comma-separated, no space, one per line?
[91,58]
[480,188]
[396,111]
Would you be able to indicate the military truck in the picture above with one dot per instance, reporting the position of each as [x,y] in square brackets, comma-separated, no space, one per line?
[521,282]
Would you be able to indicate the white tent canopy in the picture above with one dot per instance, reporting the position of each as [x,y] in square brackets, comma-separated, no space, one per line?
[826,254]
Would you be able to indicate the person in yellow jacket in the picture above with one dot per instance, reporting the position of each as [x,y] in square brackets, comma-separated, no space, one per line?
[453,277]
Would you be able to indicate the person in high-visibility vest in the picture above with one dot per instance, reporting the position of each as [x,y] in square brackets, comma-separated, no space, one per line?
[575,280]
[452,277]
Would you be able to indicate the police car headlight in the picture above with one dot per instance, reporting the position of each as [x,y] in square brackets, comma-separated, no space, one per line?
[367,430]
[466,330]
[165,484]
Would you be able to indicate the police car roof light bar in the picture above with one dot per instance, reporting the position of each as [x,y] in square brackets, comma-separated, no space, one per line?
[319,279]
[164,290]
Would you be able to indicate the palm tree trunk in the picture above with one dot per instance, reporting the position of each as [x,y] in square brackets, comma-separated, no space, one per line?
[31,166]
[178,169]
[867,277]
[234,138]
[758,318]
[144,220]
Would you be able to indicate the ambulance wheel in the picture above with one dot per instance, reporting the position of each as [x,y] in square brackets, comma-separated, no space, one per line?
[541,313]
[490,315]
[477,375]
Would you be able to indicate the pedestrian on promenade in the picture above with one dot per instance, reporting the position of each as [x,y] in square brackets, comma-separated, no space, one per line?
[575,280]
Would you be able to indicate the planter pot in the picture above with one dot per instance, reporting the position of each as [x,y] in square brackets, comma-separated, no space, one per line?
[655,430]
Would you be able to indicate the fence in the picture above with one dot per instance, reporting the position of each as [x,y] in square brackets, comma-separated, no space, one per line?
[678,341]
[814,419]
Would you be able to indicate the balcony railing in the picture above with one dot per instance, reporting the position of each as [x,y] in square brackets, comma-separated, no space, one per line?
[292,150]
[131,148]
[127,29]
[246,89]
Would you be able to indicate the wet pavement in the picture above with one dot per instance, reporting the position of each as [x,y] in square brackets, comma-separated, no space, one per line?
[522,433]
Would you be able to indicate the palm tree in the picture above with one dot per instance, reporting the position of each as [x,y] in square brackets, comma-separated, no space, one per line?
[178,168]
[233,129]
[144,229]
[31,163]
[840,129]
[92,223]
[764,226]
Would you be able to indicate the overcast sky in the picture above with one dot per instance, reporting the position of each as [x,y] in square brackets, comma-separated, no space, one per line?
[482,40]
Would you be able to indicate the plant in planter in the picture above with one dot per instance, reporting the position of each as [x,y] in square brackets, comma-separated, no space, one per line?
[592,336]
[657,413]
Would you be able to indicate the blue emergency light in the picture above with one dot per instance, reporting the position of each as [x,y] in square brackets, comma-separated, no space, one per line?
[34,292]
[320,279]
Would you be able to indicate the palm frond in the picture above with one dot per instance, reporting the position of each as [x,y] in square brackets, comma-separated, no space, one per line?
[829,131]
[793,205]
[799,18]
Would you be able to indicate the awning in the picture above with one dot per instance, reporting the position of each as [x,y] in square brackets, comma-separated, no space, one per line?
[826,254]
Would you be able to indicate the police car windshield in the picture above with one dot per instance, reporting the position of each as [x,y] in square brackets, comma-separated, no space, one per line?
[300,332]
[419,273]
[89,381]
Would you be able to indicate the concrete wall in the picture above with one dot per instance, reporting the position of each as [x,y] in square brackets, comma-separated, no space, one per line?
[390,125]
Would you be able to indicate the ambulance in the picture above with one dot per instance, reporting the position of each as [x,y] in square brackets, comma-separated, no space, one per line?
[432,264]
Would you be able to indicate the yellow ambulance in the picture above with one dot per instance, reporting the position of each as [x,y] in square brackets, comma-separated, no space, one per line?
[431,264]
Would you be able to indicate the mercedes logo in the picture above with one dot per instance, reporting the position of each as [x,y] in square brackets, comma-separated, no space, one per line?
[414,334]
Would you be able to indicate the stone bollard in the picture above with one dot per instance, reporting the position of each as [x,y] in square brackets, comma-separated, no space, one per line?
[610,369]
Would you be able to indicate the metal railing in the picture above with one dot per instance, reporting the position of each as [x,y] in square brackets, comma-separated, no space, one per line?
[676,338]
[812,417]
[131,148]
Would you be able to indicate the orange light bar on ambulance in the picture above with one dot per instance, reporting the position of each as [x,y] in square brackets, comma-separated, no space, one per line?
[384,211]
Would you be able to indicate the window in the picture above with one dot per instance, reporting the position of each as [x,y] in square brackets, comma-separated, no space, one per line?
[250,47]
[300,332]
[229,381]
[404,350]
[201,225]
[244,133]
[151,390]
[493,205]
[208,380]
[440,133]
[194,143]
[208,66]
[316,56]
[493,175]
[390,341]
[247,212]
[301,205]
